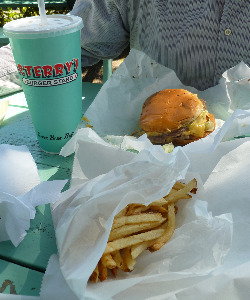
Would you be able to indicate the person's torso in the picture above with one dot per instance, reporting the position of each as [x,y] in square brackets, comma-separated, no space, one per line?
[198,39]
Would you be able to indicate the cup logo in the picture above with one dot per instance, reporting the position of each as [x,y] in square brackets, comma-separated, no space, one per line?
[49,75]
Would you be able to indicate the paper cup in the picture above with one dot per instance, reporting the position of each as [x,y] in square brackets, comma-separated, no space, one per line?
[48,59]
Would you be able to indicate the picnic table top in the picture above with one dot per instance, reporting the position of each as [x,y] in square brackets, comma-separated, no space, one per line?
[22,268]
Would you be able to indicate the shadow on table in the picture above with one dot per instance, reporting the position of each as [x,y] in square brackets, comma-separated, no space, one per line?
[33,252]
[42,227]
[39,244]
[18,130]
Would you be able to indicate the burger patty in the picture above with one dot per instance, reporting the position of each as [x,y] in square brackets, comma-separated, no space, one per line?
[167,137]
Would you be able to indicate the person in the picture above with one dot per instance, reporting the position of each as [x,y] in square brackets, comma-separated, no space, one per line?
[198,39]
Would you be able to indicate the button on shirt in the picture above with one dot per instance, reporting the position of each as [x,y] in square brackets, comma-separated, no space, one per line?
[198,39]
[228,31]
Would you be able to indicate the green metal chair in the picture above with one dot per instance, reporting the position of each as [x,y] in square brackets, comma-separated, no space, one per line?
[107,69]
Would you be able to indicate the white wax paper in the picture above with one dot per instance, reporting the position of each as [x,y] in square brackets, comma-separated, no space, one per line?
[117,107]
[21,191]
[102,179]
[15,162]
[195,257]
[84,214]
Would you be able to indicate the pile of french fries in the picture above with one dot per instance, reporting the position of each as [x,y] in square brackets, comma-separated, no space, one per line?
[137,228]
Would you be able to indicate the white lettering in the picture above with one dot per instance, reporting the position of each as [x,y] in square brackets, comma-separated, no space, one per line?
[50,82]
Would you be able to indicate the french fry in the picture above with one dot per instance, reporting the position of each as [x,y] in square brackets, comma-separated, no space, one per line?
[122,212]
[135,209]
[120,263]
[136,219]
[108,261]
[179,191]
[168,232]
[103,271]
[130,262]
[160,209]
[133,228]
[178,185]
[171,198]
[138,227]
[136,250]
[133,240]
[95,275]
[114,271]
[177,195]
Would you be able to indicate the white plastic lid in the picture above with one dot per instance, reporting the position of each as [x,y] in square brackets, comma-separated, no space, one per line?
[32,27]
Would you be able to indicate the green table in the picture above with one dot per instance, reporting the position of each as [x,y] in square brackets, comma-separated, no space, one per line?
[22,268]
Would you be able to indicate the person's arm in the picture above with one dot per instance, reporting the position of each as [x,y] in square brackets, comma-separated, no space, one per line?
[106,30]
[105,35]
[9,80]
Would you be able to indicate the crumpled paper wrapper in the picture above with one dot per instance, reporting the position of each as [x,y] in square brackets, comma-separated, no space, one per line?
[117,107]
[106,177]
[84,215]
[198,255]
[19,195]
[202,239]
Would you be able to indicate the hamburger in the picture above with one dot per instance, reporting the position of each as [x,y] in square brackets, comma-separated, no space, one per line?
[175,116]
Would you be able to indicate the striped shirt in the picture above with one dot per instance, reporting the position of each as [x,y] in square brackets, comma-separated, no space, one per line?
[198,39]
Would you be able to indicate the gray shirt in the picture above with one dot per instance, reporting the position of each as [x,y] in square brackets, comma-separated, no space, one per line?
[198,39]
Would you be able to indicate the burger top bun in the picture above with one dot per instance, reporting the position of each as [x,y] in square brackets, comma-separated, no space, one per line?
[169,110]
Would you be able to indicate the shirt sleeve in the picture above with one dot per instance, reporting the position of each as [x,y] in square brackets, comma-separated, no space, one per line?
[9,79]
[106,30]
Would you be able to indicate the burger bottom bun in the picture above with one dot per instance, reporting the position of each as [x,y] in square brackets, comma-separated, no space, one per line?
[182,141]
[177,141]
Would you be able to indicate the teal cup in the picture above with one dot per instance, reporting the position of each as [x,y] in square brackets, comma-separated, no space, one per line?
[48,59]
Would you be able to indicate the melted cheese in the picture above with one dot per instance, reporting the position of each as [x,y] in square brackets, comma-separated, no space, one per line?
[197,127]
[200,125]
